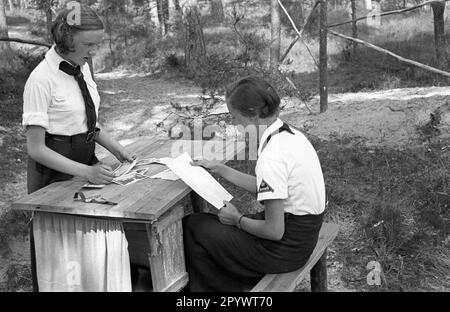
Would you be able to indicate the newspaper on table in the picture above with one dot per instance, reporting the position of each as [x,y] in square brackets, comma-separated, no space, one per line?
[198,179]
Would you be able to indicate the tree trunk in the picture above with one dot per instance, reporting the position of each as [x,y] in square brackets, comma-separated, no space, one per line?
[439,31]
[3,27]
[166,13]
[163,15]
[48,16]
[89,61]
[323,81]
[177,5]
[275,34]
[195,49]
[11,5]
[217,11]
[172,8]
[22,5]
[354,27]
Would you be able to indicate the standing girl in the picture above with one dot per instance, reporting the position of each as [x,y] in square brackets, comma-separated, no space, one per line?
[60,112]
[232,251]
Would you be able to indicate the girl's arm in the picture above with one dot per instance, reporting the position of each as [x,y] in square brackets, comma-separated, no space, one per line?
[36,148]
[271,228]
[108,142]
[240,179]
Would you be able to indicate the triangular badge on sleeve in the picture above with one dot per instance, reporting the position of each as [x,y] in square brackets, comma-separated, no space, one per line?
[264,187]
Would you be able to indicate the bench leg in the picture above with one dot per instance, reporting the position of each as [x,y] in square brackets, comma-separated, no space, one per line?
[318,274]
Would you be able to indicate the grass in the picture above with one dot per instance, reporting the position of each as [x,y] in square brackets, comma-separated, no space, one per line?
[392,197]
[12,166]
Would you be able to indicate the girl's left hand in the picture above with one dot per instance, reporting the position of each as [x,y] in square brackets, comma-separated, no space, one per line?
[124,155]
[229,214]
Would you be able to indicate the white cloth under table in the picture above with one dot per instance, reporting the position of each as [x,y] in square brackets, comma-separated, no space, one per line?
[80,254]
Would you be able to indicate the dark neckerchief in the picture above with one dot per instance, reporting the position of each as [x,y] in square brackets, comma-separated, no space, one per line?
[88,103]
[284,127]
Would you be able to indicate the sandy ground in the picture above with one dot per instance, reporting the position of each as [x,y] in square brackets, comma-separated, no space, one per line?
[133,105]
[385,118]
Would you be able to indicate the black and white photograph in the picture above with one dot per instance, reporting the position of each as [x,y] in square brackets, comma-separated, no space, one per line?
[225,151]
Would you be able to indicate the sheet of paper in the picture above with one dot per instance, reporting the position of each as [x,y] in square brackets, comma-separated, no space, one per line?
[124,168]
[198,179]
[131,177]
[166,175]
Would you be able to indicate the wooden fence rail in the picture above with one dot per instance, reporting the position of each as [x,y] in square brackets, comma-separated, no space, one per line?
[438,10]
[387,13]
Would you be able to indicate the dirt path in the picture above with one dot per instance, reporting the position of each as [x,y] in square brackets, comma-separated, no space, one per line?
[133,105]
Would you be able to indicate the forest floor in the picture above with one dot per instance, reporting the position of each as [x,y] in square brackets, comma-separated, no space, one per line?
[351,137]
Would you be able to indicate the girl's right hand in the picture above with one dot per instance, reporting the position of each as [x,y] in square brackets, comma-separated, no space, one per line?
[214,166]
[100,174]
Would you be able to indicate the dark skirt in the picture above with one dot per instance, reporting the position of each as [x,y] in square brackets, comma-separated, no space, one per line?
[39,176]
[223,258]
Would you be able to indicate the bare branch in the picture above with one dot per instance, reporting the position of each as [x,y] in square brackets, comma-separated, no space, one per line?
[386,13]
[26,41]
[405,60]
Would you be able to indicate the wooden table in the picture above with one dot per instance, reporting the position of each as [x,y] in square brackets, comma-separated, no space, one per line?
[151,210]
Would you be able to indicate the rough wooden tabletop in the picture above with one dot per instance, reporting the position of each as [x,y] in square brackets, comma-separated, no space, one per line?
[145,200]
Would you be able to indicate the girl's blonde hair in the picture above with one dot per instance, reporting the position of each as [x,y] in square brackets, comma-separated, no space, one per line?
[62,31]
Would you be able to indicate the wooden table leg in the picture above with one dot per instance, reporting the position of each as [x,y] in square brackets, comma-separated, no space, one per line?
[318,274]
[159,246]
[166,256]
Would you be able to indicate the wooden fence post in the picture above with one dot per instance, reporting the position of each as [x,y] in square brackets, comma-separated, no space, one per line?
[323,85]
[439,32]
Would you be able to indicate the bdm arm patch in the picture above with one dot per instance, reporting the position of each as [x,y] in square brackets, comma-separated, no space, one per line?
[265,187]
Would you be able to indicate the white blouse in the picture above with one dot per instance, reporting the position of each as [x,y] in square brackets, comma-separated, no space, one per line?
[52,99]
[288,168]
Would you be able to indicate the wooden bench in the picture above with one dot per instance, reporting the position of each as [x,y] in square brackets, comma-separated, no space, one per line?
[316,266]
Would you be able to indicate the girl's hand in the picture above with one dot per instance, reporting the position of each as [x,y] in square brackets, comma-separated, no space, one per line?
[124,155]
[229,214]
[214,166]
[100,174]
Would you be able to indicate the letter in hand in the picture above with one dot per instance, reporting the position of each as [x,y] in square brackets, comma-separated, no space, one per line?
[229,214]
